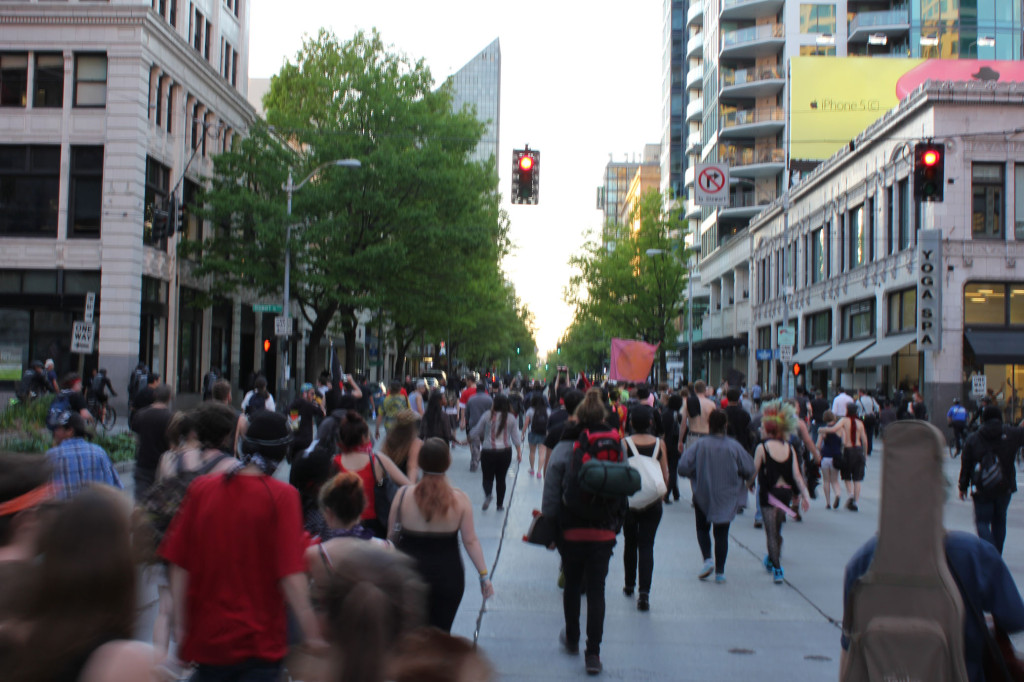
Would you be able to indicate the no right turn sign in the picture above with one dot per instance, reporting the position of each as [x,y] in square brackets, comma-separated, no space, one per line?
[712,185]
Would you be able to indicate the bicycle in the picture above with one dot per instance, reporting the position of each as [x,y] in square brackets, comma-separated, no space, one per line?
[109,414]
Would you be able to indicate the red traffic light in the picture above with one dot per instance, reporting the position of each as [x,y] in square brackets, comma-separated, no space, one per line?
[266,345]
[797,369]
[930,158]
[526,163]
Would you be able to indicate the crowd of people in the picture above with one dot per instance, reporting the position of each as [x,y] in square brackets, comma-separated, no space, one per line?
[266,532]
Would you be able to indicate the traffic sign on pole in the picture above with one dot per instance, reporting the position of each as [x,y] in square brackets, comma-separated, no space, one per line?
[90,306]
[83,334]
[786,354]
[282,325]
[712,185]
[787,336]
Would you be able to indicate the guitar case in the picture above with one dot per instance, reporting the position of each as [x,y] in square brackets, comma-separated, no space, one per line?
[904,617]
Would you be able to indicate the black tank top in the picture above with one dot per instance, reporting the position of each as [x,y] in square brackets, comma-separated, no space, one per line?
[772,471]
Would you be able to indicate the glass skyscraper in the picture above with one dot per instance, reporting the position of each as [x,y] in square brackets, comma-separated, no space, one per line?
[478,83]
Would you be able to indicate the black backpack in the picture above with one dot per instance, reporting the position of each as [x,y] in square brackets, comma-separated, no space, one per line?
[138,380]
[987,477]
[98,385]
[539,422]
[256,402]
[60,404]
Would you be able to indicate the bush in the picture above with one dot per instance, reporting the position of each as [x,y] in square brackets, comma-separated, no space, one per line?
[21,416]
[120,446]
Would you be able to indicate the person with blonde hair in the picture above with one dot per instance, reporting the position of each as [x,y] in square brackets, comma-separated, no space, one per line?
[777,472]
[426,521]
[402,443]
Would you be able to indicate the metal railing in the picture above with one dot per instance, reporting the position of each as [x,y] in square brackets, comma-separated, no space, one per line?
[748,35]
[889,17]
[746,156]
[745,116]
[742,76]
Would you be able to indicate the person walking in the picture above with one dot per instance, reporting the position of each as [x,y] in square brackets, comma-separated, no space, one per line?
[150,426]
[830,445]
[670,422]
[478,404]
[585,546]
[426,521]
[991,491]
[641,525]
[77,462]
[536,427]
[956,417]
[777,472]
[718,467]
[867,410]
[496,433]
[851,431]
[394,403]
[356,455]
[436,422]
[402,444]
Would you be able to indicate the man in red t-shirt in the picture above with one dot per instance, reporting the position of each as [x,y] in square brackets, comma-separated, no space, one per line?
[236,552]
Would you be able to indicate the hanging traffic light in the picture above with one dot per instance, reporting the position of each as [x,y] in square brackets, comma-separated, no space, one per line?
[929,171]
[161,220]
[797,369]
[525,175]
[559,349]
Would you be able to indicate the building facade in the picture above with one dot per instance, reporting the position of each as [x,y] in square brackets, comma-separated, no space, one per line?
[884,291]
[478,84]
[673,158]
[107,109]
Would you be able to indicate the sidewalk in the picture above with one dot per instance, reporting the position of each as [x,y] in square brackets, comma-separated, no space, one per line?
[696,630]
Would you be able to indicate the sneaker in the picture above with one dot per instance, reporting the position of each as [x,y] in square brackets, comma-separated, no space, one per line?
[835,505]
[500,507]
[758,523]
[719,578]
[768,565]
[778,575]
[643,602]
[571,649]
[487,501]
[628,591]
[851,505]
[593,664]
[707,569]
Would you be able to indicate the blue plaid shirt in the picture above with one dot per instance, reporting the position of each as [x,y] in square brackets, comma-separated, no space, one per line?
[77,462]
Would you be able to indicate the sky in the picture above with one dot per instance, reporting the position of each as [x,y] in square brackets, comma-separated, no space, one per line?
[579,81]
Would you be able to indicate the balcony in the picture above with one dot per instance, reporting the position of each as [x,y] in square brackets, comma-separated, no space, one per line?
[695,46]
[893,24]
[749,9]
[744,205]
[692,210]
[747,162]
[694,142]
[747,123]
[695,109]
[695,77]
[753,42]
[695,13]
[752,83]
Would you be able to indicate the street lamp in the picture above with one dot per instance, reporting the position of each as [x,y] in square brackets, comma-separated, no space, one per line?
[290,188]
[689,312]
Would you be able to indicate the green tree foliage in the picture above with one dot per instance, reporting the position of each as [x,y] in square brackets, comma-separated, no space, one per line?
[416,224]
[631,288]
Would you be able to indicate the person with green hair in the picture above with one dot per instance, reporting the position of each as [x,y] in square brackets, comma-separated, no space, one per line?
[777,471]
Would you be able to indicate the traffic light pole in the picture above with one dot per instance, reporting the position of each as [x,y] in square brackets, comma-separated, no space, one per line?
[785,286]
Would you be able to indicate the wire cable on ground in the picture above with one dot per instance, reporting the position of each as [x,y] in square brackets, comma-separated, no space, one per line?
[497,554]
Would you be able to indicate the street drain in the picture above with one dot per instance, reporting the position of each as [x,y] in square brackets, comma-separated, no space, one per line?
[742,652]
[817,657]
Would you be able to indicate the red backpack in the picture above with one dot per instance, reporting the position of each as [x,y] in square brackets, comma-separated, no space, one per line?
[599,479]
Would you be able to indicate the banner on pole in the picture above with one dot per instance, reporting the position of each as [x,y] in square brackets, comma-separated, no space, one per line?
[631,360]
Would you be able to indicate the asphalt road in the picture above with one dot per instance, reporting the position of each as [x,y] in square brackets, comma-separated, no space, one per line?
[745,629]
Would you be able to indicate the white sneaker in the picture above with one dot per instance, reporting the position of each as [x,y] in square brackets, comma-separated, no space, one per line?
[708,569]
[487,501]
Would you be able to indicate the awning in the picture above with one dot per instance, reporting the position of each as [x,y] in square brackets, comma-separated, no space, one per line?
[882,352]
[809,355]
[840,355]
[996,346]
[720,343]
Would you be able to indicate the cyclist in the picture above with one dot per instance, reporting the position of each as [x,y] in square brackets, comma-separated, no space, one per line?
[98,394]
[956,417]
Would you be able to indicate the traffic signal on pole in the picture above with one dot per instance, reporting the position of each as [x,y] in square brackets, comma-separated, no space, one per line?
[266,345]
[797,369]
[525,176]
[161,220]
[517,350]
[545,366]
[529,366]
[558,350]
[929,171]
[179,216]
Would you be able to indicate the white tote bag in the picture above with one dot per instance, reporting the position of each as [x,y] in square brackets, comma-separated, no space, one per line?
[652,483]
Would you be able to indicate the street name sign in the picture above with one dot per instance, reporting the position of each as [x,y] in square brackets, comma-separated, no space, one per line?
[266,307]
[90,306]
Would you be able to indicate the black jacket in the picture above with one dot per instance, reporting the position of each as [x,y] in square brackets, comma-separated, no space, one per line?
[993,435]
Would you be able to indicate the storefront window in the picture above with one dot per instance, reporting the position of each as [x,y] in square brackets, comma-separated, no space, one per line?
[1017,304]
[987,200]
[985,303]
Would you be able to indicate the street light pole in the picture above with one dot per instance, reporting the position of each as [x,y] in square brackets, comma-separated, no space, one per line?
[290,189]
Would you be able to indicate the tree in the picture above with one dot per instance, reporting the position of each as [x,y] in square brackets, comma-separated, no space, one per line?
[633,287]
[358,232]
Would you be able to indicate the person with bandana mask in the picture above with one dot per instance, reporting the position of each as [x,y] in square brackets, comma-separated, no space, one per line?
[236,549]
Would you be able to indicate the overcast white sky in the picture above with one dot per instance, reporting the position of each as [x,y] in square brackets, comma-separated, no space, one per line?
[579,81]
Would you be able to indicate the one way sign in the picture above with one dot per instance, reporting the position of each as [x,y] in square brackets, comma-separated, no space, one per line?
[712,184]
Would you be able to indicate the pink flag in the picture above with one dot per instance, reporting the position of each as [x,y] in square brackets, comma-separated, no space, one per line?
[631,360]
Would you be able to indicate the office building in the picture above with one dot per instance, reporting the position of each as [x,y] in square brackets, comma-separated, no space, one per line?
[673,159]
[106,110]
[478,84]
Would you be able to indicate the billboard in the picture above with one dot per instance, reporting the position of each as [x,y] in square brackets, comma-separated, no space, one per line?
[833,99]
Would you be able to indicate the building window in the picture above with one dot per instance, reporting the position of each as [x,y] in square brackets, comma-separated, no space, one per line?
[869,230]
[197,36]
[90,80]
[234,69]
[903,196]
[86,200]
[817,50]
[818,19]
[985,303]
[158,182]
[29,189]
[233,6]
[49,81]
[1018,201]
[170,107]
[987,200]
[890,209]
[13,79]
[818,329]
[859,320]
[902,311]
[206,41]
[827,251]
[857,238]
[192,227]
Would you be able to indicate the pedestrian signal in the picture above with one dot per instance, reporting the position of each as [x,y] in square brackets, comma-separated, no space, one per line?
[797,369]
[266,345]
